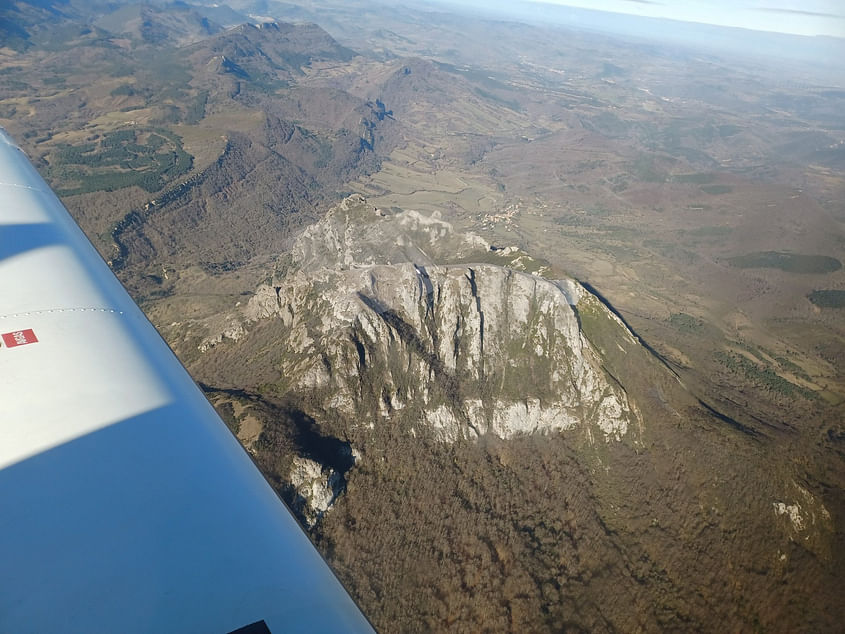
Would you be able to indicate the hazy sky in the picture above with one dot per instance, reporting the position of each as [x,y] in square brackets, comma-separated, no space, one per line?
[802,17]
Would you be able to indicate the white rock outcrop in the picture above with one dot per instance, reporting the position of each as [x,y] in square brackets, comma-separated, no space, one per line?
[317,486]
[382,312]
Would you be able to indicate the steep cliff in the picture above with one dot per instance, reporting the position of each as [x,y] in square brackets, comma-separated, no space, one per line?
[383,318]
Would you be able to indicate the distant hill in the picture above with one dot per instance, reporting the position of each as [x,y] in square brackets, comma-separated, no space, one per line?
[146,24]
[221,14]
[270,50]
[278,178]
[21,19]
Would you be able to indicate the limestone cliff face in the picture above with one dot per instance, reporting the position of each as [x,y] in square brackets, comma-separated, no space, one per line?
[396,316]
[317,487]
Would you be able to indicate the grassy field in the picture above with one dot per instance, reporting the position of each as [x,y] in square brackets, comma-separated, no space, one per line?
[828,298]
[147,158]
[789,262]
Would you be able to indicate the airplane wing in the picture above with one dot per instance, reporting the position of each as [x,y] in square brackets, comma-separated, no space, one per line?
[126,505]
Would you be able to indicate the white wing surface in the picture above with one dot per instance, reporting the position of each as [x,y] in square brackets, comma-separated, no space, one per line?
[125,503]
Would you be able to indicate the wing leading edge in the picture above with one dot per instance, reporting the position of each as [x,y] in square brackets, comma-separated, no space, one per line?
[126,503]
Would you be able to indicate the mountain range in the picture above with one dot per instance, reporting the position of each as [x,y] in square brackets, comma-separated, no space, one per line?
[535,328]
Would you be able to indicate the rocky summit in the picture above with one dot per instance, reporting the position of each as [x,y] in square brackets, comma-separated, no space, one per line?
[395,315]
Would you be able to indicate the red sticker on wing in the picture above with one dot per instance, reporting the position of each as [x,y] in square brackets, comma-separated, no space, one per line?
[19,338]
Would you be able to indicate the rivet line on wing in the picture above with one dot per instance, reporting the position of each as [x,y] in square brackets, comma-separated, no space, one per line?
[35,189]
[45,311]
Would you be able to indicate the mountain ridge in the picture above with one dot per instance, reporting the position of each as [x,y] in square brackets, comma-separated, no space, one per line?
[427,359]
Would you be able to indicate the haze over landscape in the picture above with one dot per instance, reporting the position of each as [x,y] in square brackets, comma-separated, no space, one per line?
[533,314]
[815,17]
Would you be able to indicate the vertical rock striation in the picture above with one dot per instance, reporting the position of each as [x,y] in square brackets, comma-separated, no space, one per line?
[398,317]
